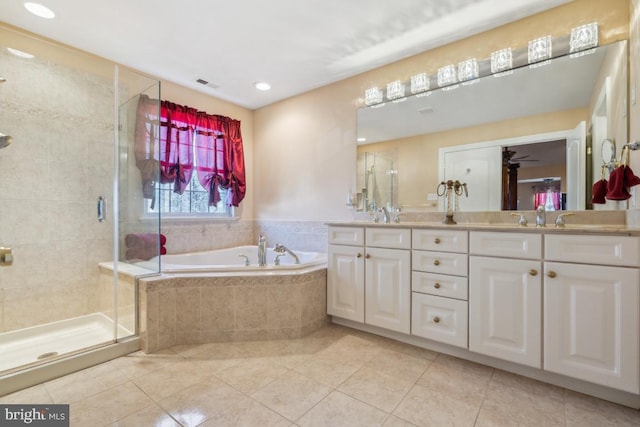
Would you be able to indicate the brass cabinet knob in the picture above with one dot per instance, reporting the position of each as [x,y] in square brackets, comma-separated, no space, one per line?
[367,256]
[359,255]
[533,272]
[551,274]
[436,285]
[436,319]
[436,240]
[436,262]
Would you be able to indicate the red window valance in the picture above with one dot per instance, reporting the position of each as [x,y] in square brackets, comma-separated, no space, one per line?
[164,148]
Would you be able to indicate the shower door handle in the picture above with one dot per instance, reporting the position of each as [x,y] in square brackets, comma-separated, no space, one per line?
[102,209]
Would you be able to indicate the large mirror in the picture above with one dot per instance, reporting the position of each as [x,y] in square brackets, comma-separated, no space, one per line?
[536,130]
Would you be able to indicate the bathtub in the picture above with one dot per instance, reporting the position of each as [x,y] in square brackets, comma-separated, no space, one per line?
[232,260]
[211,296]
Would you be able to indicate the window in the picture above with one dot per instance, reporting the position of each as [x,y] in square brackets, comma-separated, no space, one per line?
[191,163]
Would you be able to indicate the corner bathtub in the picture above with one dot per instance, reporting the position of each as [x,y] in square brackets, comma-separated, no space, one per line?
[232,260]
[211,296]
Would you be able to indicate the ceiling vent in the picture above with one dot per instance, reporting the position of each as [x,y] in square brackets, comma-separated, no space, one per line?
[206,83]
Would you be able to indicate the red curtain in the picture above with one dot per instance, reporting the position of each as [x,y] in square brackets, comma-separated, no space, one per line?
[541,199]
[167,143]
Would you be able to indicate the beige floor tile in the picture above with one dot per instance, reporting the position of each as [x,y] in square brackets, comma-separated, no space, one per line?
[82,384]
[409,349]
[401,365]
[426,407]
[291,395]
[207,351]
[248,375]
[350,349]
[33,395]
[377,388]
[587,411]
[338,410]
[522,401]
[171,379]
[109,406]
[328,370]
[195,404]
[247,412]
[394,421]
[139,363]
[459,378]
[152,415]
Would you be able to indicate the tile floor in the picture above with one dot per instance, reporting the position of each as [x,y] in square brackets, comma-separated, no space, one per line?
[334,377]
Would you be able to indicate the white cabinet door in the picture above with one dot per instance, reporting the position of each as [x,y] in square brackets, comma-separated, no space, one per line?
[345,282]
[591,324]
[505,309]
[388,289]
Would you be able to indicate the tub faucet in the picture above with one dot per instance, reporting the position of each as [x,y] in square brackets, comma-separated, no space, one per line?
[281,249]
[262,251]
[541,218]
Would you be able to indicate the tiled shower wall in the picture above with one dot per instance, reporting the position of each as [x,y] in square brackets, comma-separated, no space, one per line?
[60,161]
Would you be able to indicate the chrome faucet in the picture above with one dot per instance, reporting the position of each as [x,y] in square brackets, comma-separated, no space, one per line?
[280,249]
[385,215]
[541,217]
[262,251]
[560,223]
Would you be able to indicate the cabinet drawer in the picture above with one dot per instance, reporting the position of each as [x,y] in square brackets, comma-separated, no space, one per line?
[607,250]
[440,240]
[396,238]
[353,236]
[439,319]
[439,284]
[509,245]
[439,262]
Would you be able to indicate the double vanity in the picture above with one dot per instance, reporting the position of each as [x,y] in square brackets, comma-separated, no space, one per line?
[561,305]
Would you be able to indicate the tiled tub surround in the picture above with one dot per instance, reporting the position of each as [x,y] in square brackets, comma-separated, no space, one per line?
[234,307]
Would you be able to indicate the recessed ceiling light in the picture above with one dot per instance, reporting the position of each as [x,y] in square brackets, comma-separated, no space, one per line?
[39,10]
[19,53]
[262,86]
[361,139]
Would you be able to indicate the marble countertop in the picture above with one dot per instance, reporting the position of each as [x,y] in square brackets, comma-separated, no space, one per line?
[621,229]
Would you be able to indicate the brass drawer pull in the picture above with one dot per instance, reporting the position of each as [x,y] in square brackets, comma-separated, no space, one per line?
[552,274]
[436,319]
[367,256]
[437,285]
[436,262]
[533,272]
[359,255]
[436,240]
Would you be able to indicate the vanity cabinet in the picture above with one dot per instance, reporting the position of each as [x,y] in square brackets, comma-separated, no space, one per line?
[345,273]
[591,304]
[439,285]
[369,276]
[505,296]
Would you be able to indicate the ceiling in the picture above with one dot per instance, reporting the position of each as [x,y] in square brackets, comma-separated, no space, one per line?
[296,46]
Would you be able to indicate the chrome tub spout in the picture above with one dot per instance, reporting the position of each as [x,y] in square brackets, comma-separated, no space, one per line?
[281,249]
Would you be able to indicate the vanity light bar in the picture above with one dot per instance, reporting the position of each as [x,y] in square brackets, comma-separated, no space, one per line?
[447,75]
[584,37]
[540,49]
[501,60]
[420,83]
[395,90]
[468,70]
[372,96]
[582,40]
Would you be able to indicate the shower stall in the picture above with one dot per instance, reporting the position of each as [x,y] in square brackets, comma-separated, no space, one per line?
[69,194]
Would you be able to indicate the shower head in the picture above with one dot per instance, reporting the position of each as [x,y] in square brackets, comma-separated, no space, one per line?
[4,140]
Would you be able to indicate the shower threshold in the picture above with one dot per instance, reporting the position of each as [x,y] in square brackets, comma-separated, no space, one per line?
[43,343]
